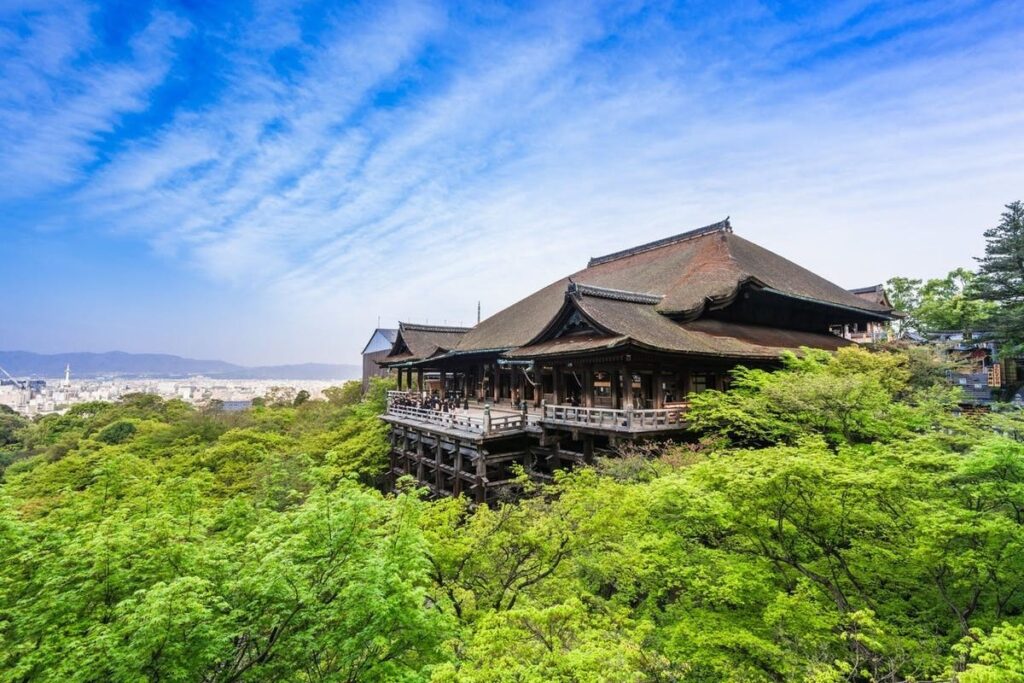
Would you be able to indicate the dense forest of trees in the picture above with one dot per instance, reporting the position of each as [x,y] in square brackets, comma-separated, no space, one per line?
[835,523]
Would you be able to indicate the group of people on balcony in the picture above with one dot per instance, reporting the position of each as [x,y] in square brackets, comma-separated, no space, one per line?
[446,404]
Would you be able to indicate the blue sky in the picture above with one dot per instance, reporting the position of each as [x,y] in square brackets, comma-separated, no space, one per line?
[260,182]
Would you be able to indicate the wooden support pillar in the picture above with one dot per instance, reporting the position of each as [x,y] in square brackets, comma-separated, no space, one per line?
[481,475]
[556,456]
[615,379]
[496,383]
[444,382]
[399,379]
[392,458]
[405,450]
[588,387]
[419,379]
[438,474]
[588,449]
[686,383]
[659,389]
[419,460]
[556,384]
[457,484]
[538,389]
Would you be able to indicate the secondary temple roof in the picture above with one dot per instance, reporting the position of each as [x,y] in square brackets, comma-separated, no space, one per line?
[415,342]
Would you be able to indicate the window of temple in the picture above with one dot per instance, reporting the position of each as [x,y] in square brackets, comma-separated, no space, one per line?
[702,382]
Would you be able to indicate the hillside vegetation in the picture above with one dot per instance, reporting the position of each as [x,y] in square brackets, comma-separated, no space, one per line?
[834,522]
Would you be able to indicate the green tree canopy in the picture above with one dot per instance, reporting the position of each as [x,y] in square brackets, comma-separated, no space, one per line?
[834,523]
[951,303]
[1001,271]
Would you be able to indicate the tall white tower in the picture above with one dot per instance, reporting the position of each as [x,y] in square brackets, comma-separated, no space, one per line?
[67,375]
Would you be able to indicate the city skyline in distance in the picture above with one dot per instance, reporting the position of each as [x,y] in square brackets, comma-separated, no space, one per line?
[88,365]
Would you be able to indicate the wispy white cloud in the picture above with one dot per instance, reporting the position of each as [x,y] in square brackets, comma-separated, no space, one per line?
[55,100]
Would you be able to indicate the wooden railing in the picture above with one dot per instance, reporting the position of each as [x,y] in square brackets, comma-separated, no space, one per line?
[451,420]
[488,423]
[482,422]
[614,419]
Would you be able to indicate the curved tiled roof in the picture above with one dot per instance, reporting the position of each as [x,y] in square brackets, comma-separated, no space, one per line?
[618,322]
[415,342]
[679,276]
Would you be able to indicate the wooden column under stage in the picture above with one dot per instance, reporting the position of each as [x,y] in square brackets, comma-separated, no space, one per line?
[438,474]
[457,484]
[481,474]
[419,459]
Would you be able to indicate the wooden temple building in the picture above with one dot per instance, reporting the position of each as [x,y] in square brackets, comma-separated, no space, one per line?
[609,353]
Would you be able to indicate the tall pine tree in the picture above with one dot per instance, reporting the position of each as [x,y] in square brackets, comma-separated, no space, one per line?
[1001,273]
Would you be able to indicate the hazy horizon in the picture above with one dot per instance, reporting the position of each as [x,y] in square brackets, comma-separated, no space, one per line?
[259,183]
[108,352]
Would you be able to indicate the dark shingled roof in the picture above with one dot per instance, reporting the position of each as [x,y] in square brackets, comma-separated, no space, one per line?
[620,322]
[415,342]
[679,275]
[875,294]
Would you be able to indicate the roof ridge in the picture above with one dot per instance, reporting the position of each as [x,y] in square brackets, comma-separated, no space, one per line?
[614,294]
[432,328]
[720,226]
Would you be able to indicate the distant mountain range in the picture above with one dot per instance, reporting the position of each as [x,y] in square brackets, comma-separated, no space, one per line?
[159,365]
